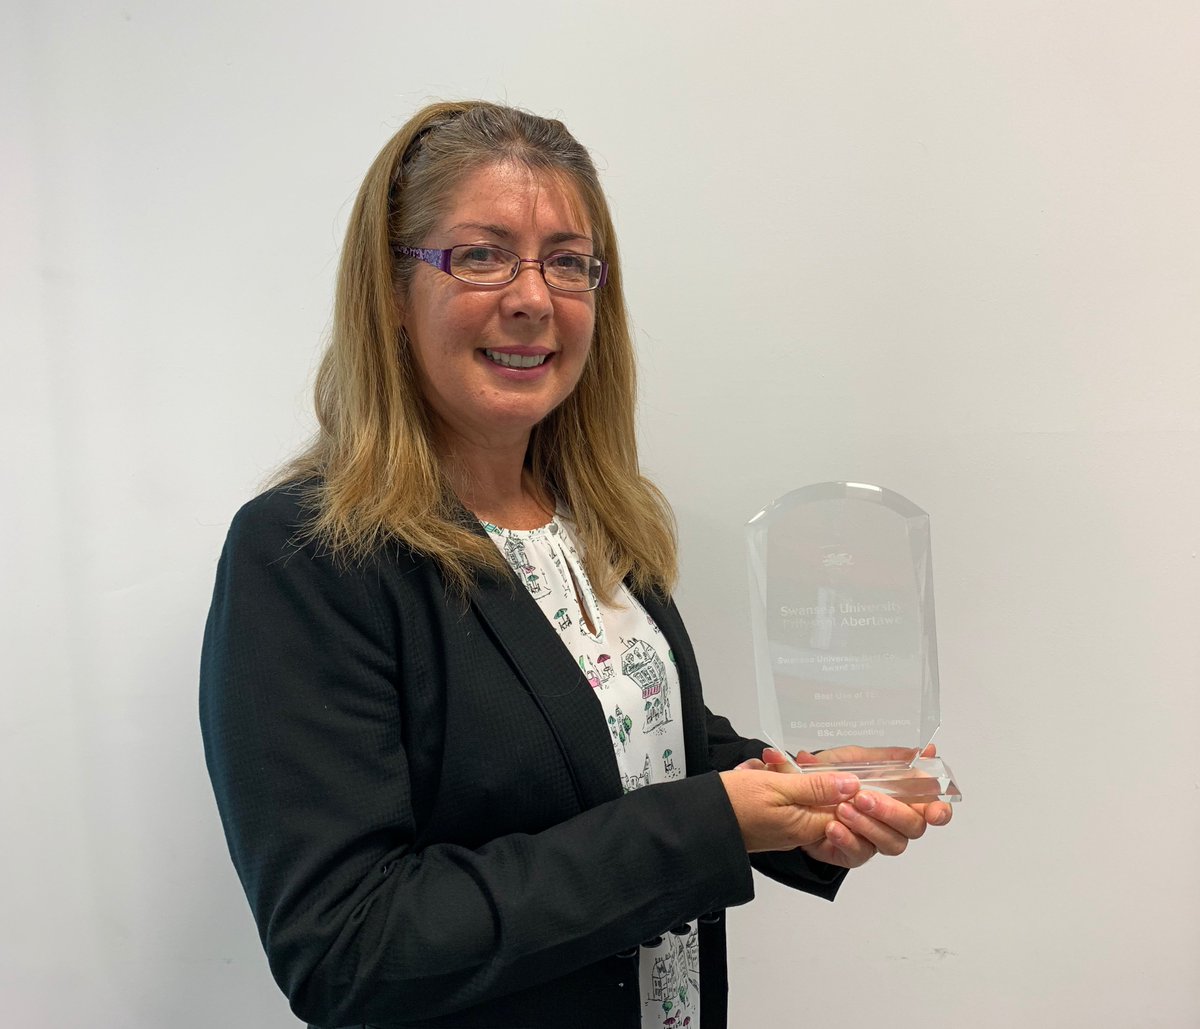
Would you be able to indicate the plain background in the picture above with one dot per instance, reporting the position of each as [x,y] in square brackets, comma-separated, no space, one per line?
[951,248]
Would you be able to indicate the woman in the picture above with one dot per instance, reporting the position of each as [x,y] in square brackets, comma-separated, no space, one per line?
[452,718]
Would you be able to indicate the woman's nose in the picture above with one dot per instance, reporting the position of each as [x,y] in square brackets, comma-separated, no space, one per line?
[528,293]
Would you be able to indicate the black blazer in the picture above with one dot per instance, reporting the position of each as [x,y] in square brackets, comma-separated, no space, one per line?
[421,799]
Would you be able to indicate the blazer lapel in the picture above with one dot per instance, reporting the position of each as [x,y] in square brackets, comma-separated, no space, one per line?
[556,683]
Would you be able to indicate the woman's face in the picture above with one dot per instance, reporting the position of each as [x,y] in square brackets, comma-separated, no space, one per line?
[460,332]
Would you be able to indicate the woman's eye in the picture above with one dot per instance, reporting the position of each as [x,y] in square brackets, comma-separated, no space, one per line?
[574,264]
[481,256]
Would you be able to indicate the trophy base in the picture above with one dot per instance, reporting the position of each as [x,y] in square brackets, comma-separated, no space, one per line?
[919,782]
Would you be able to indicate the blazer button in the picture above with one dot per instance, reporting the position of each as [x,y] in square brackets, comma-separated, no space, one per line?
[630,953]
[711,918]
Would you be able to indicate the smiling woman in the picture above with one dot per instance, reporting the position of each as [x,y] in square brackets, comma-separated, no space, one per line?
[497,347]
[386,464]
[448,803]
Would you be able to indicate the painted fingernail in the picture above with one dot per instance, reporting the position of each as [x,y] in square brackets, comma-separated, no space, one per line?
[864,801]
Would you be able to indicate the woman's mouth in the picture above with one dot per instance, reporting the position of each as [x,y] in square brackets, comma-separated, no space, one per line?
[515,360]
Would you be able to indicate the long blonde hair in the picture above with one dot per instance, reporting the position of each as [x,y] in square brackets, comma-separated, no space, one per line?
[372,472]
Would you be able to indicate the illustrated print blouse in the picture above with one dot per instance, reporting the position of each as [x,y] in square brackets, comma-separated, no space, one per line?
[629,665]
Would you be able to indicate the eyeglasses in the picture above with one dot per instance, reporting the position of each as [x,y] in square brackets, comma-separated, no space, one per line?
[493,266]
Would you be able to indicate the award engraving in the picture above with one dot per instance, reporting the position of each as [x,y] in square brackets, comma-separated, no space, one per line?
[845,645]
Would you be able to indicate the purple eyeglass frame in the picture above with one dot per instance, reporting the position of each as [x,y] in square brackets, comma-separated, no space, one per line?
[440,259]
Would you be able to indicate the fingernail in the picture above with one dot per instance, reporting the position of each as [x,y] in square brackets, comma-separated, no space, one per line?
[864,801]
[941,818]
[847,785]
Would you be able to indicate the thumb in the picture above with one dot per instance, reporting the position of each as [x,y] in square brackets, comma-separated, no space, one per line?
[817,789]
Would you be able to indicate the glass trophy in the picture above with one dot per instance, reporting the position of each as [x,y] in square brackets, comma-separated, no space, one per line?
[845,647]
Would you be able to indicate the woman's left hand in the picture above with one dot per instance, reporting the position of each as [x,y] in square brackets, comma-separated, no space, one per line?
[869,824]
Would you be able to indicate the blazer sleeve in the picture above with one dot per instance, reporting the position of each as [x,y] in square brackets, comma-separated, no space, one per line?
[306,748]
[793,868]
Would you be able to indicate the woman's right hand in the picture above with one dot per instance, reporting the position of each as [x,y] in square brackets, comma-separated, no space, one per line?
[782,812]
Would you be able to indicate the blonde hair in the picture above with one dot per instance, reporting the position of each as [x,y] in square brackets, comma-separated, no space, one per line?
[372,472]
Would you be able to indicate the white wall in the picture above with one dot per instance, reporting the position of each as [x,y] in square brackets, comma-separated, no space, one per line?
[951,248]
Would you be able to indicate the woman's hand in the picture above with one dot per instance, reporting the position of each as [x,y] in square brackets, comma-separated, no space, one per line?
[783,812]
[867,823]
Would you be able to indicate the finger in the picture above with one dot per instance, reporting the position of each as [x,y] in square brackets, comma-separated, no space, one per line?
[903,754]
[884,822]
[852,755]
[852,849]
[882,837]
[752,763]
[937,813]
[776,760]
[895,814]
